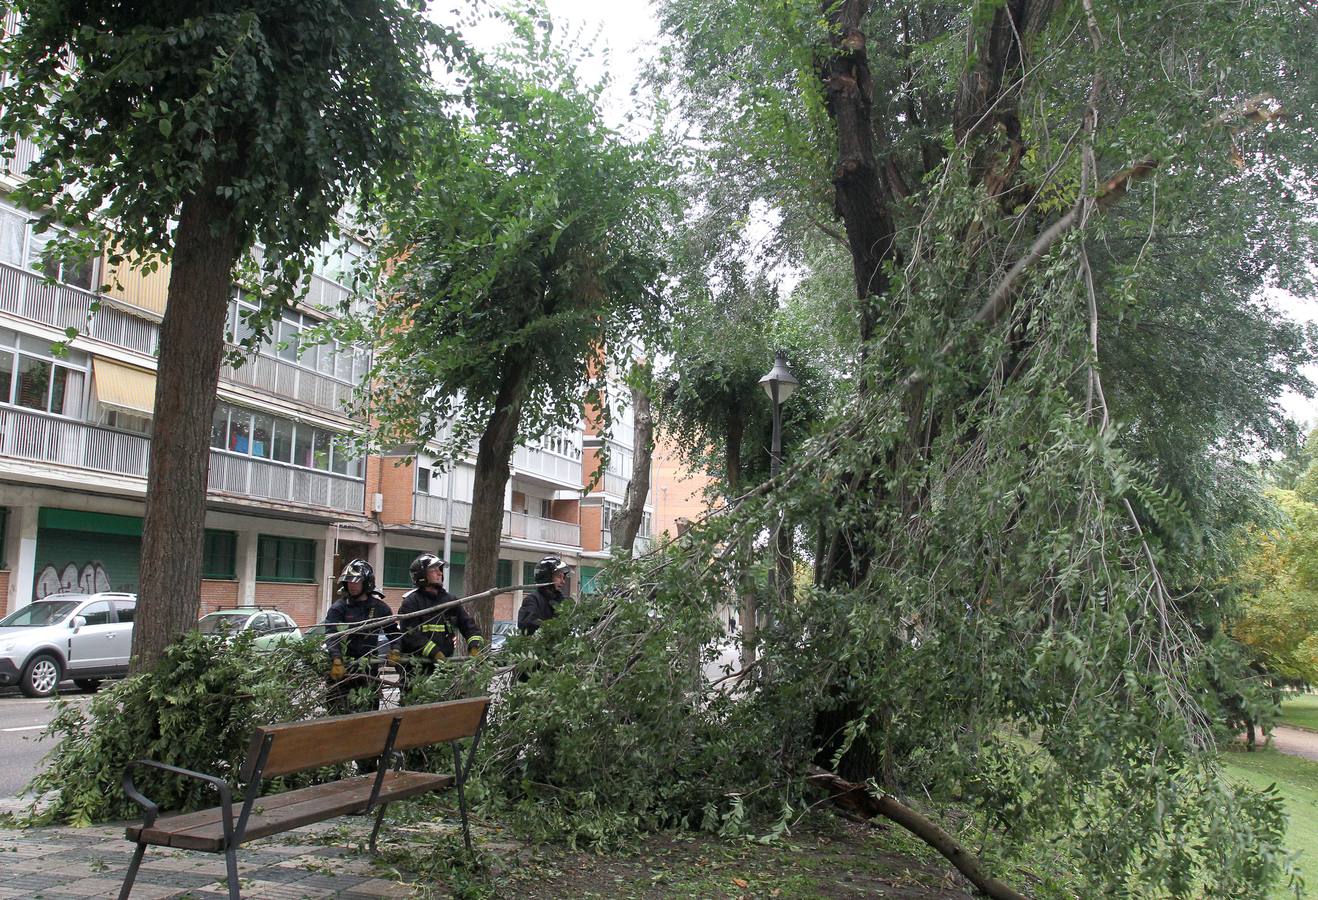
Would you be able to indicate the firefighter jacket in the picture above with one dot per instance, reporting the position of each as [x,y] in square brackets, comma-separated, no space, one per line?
[537,608]
[434,634]
[348,613]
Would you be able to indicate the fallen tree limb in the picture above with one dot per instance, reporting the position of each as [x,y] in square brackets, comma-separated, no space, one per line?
[857,798]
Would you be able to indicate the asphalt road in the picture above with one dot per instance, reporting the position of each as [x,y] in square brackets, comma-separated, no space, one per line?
[21,724]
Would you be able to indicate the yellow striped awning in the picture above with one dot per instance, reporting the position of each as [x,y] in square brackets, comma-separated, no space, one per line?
[124,387]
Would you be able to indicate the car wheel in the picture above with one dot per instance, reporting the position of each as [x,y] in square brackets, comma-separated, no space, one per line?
[41,677]
[87,684]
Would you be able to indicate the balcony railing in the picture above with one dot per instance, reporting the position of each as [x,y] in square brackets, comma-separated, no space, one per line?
[50,439]
[264,480]
[277,376]
[542,463]
[639,546]
[544,531]
[25,152]
[428,510]
[62,306]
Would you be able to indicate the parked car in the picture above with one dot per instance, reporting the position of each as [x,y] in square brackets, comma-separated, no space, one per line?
[503,629]
[86,637]
[271,627]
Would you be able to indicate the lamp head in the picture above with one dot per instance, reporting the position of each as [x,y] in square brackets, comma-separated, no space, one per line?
[781,378]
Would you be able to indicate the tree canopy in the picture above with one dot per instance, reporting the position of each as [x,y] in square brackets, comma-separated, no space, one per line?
[189,133]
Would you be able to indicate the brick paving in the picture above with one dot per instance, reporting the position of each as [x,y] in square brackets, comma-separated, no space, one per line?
[319,861]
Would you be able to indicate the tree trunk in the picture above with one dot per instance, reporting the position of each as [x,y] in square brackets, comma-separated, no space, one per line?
[493,468]
[627,523]
[191,349]
[861,199]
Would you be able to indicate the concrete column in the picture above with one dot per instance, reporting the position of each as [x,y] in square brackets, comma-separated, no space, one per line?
[246,565]
[326,549]
[23,571]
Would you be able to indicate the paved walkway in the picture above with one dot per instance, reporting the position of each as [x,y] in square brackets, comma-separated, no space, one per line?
[1295,741]
[319,861]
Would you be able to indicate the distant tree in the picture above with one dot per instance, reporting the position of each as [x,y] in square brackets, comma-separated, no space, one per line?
[1276,613]
[190,132]
[525,258]
[627,523]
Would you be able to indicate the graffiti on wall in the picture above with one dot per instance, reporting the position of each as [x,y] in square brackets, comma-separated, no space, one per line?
[89,578]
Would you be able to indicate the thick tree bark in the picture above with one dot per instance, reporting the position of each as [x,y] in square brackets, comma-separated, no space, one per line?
[493,468]
[627,523]
[191,349]
[861,198]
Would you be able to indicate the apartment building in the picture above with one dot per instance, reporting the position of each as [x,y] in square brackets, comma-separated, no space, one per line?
[287,504]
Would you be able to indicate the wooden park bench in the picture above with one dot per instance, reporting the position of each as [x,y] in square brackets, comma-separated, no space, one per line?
[293,747]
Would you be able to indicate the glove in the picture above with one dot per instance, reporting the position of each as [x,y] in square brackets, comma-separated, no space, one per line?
[394,657]
[336,669]
[475,644]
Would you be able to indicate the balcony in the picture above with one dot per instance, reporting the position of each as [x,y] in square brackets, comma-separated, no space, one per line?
[429,510]
[276,376]
[543,531]
[25,153]
[49,439]
[62,306]
[537,463]
[262,480]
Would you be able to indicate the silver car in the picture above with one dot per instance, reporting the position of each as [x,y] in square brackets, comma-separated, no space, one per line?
[86,637]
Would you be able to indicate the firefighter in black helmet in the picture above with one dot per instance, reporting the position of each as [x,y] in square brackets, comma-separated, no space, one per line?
[552,574]
[428,638]
[355,657]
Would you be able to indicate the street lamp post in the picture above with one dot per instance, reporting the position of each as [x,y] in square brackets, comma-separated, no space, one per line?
[779,383]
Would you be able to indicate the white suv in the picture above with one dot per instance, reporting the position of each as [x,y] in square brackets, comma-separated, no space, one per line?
[85,637]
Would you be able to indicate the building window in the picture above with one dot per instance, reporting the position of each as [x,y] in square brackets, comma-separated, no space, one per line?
[219,554]
[30,376]
[588,576]
[422,479]
[528,573]
[398,566]
[503,574]
[268,437]
[546,509]
[4,531]
[285,559]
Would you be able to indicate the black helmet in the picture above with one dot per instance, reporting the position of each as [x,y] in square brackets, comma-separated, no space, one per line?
[421,564]
[545,569]
[358,570]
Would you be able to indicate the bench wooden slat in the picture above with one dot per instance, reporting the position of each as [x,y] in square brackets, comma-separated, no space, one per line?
[204,830]
[435,723]
[298,746]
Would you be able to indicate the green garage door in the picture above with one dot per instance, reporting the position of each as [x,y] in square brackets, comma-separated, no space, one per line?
[82,551]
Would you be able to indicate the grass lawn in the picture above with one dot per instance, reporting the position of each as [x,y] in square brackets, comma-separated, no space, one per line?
[1297,779]
[1301,710]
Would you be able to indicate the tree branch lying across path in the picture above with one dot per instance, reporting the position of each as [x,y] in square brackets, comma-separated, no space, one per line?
[863,800]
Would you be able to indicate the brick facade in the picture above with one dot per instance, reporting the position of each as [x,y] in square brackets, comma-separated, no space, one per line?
[591,518]
[216,594]
[4,592]
[395,483]
[301,601]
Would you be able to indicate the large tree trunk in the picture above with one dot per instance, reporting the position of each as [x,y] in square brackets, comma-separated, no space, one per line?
[861,198]
[493,468]
[627,523]
[191,348]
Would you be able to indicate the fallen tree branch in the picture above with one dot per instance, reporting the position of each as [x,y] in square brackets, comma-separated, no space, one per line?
[859,799]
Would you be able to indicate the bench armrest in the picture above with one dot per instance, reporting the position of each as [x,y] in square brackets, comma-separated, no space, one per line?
[151,810]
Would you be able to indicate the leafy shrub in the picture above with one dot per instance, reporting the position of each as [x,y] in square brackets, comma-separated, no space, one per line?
[196,709]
